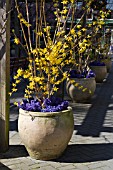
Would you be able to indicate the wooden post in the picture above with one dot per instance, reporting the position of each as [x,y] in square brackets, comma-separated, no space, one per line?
[4,73]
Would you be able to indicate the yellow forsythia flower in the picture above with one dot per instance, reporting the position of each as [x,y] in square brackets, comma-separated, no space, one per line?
[55,88]
[15,103]
[78,26]
[16,41]
[72,31]
[14,90]
[64,2]
[85,89]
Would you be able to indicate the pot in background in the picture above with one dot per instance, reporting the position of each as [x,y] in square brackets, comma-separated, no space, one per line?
[100,73]
[77,94]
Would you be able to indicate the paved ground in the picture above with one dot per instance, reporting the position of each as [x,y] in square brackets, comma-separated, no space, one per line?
[91,146]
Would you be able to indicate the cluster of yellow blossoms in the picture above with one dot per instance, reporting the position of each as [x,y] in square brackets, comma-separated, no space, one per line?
[46,66]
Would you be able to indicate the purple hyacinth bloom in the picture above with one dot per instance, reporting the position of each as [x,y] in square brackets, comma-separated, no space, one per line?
[83,74]
[97,63]
[50,105]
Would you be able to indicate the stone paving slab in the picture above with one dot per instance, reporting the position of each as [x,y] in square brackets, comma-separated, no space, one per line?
[91,146]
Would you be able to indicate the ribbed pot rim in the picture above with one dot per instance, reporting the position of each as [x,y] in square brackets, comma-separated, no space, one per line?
[43,114]
[97,66]
[107,59]
[86,79]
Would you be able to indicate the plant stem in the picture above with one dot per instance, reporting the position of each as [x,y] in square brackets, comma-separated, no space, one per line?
[29,33]
[22,28]
[36,23]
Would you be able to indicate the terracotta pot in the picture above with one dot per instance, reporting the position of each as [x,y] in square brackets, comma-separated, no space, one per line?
[45,135]
[77,94]
[100,72]
[108,64]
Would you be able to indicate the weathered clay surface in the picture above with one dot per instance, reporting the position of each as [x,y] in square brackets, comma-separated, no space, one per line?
[100,72]
[108,64]
[45,135]
[77,94]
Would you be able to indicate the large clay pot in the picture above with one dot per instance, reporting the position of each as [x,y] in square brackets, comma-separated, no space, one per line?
[100,72]
[45,135]
[77,94]
[108,64]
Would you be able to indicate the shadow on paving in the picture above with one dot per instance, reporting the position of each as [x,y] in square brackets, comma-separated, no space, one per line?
[15,151]
[93,122]
[3,167]
[76,153]
[81,153]
[13,123]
